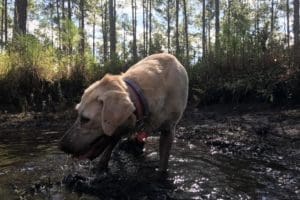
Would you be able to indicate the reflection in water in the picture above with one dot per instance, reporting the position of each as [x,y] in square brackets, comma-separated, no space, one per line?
[31,166]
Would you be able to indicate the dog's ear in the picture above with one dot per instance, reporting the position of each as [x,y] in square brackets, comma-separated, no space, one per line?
[117,108]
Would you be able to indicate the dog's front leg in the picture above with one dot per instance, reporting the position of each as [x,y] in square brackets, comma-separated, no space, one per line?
[105,156]
[165,144]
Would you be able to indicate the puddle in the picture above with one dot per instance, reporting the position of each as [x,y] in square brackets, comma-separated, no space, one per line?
[226,158]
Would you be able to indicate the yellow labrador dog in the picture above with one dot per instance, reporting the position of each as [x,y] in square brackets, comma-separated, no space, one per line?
[150,96]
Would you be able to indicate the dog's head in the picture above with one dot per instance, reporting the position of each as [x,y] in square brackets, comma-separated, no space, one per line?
[105,109]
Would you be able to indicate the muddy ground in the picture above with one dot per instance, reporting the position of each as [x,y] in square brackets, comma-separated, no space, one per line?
[220,152]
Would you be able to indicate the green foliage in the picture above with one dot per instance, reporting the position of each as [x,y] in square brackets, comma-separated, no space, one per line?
[70,35]
[248,67]
[115,66]
[248,75]
[30,69]
[5,64]
[157,44]
[249,64]
[28,52]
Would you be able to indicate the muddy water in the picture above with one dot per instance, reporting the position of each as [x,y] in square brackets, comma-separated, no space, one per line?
[228,157]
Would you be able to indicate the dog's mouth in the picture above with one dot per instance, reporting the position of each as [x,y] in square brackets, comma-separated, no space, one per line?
[95,148]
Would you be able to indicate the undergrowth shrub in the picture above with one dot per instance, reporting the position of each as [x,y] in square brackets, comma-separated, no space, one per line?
[30,74]
[266,79]
[34,75]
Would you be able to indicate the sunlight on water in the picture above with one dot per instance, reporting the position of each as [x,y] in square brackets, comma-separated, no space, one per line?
[197,171]
[90,173]
[178,179]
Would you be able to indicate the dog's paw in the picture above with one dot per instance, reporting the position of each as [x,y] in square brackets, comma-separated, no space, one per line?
[133,147]
[71,180]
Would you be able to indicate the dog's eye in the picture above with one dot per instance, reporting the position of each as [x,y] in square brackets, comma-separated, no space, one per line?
[84,120]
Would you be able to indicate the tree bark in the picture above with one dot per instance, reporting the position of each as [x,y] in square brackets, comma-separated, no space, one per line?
[203,29]
[63,10]
[20,17]
[2,25]
[69,31]
[94,34]
[217,28]
[208,36]
[124,41]
[134,46]
[58,24]
[169,24]
[288,23]
[51,7]
[69,10]
[144,28]
[5,22]
[296,34]
[177,29]
[112,29]
[82,35]
[272,18]
[150,27]
[187,54]
[228,32]
[104,31]
[186,33]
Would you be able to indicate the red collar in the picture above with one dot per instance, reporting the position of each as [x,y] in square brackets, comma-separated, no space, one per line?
[141,136]
[138,99]
[141,107]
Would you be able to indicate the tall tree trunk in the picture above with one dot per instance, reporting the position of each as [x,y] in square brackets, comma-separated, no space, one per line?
[69,10]
[81,31]
[58,24]
[104,31]
[150,27]
[288,31]
[203,29]
[64,27]
[5,22]
[124,41]
[63,9]
[147,27]
[144,27]
[69,27]
[257,29]
[217,28]
[52,7]
[272,18]
[296,34]
[228,32]
[169,24]
[2,25]
[134,47]
[208,49]
[187,54]
[177,29]
[20,17]
[94,33]
[288,23]
[112,29]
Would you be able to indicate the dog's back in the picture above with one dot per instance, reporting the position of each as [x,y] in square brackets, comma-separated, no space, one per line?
[165,84]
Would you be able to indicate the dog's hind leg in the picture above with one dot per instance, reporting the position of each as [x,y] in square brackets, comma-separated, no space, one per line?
[165,144]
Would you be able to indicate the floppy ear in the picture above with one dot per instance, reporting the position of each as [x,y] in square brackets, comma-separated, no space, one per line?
[117,107]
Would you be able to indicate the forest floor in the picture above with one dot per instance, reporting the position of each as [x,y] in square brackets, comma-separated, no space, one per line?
[257,121]
[263,142]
